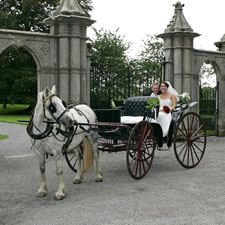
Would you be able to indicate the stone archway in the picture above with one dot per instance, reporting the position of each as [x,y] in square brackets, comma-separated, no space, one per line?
[38,45]
[183,62]
[61,56]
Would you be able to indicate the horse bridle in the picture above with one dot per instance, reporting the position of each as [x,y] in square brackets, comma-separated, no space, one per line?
[51,108]
[49,123]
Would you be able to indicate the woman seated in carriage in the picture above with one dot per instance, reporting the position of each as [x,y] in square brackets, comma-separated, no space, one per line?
[167,102]
[135,107]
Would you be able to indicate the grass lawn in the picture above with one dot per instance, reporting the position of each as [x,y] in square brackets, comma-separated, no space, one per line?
[211,132]
[3,136]
[13,113]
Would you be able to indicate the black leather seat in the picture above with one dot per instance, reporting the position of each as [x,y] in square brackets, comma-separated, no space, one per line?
[136,106]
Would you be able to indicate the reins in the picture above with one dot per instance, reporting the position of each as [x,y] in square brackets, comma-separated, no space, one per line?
[47,131]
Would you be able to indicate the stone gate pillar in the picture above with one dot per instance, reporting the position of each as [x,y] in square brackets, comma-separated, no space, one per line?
[69,24]
[178,48]
[221,97]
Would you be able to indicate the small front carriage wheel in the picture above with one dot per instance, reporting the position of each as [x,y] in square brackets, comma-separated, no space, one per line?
[71,158]
[140,150]
[190,140]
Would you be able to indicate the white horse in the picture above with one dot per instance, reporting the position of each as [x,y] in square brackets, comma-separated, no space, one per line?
[48,137]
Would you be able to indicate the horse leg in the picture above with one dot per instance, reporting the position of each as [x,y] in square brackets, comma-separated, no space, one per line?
[93,139]
[99,175]
[60,194]
[79,176]
[43,190]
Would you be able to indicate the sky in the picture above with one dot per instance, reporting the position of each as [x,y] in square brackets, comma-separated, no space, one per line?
[136,19]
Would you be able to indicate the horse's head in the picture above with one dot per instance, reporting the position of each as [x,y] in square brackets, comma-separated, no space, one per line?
[54,108]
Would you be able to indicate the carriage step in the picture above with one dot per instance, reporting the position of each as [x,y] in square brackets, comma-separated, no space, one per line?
[163,149]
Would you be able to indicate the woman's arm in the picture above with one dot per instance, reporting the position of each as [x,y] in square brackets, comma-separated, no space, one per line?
[174,101]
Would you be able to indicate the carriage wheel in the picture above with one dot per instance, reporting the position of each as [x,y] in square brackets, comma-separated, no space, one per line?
[140,150]
[71,158]
[190,140]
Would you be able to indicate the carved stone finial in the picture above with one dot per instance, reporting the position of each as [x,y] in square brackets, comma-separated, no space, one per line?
[178,22]
[69,7]
[178,6]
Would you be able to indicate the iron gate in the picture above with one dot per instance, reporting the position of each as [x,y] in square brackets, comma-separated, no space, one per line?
[119,85]
[209,107]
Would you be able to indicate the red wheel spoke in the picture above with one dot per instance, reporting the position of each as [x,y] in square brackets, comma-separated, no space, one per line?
[185,145]
[139,168]
[188,155]
[192,121]
[197,131]
[185,154]
[135,166]
[198,141]
[185,135]
[188,127]
[192,157]
[144,137]
[142,133]
[197,147]
[195,153]
[75,163]
[72,157]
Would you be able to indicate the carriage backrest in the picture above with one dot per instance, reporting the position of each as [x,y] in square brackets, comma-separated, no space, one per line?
[136,106]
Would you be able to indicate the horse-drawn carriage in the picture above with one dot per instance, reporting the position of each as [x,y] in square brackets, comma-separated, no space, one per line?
[141,139]
[55,129]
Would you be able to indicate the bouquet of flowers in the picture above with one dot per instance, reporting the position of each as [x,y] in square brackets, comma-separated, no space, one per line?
[153,103]
[166,109]
[184,99]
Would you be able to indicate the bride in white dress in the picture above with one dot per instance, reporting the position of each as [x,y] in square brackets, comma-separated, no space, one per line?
[168,100]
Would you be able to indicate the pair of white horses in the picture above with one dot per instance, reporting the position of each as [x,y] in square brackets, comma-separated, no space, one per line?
[47,140]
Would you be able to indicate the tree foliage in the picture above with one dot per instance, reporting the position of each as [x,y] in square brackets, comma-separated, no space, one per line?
[108,65]
[150,59]
[28,15]
[207,75]
[18,77]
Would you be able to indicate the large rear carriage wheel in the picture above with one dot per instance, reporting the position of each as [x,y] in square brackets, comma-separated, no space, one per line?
[140,150]
[190,140]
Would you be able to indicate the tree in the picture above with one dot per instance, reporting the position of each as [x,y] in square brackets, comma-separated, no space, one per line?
[207,75]
[108,66]
[150,59]
[17,69]
[28,15]
[146,68]
[18,77]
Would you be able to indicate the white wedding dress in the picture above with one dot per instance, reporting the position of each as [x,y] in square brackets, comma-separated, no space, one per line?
[164,119]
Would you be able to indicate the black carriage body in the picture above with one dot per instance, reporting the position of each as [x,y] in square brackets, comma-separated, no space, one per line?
[140,140]
[113,139]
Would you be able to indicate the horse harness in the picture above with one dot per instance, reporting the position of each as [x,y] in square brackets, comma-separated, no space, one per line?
[68,134]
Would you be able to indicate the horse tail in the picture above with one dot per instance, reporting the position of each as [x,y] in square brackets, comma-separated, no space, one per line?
[88,154]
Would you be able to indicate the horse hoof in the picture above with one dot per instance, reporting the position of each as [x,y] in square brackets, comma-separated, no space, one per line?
[98,179]
[41,194]
[77,181]
[60,196]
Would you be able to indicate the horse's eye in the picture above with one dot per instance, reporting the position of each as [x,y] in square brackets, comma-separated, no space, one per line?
[52,108]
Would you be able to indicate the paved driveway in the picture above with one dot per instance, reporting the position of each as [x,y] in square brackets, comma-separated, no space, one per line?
[169,194]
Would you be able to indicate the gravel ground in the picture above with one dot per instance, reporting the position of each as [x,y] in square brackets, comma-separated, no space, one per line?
[169,194]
